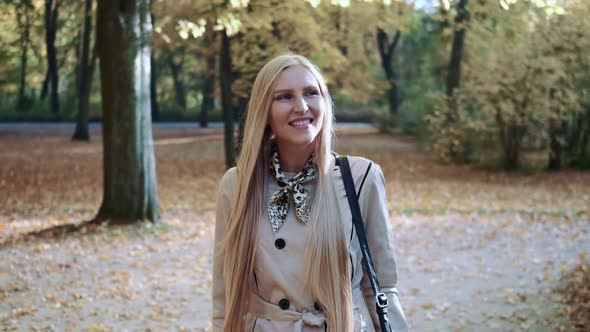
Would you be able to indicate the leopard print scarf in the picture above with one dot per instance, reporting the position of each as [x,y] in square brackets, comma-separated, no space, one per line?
[279,201]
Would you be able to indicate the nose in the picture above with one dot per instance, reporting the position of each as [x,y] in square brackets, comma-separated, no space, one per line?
[301,105]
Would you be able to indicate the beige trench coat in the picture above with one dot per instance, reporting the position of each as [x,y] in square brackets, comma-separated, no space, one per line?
[280,300]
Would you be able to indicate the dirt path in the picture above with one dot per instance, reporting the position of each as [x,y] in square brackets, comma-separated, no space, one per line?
[477,250]
[127,279]
[457,273]
[467,273]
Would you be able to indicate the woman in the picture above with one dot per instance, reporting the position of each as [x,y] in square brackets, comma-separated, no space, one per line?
[286,257]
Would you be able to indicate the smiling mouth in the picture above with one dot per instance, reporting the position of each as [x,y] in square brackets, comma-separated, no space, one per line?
[301,122]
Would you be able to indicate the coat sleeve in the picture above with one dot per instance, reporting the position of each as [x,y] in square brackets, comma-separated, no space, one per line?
[375,215]
[224,197]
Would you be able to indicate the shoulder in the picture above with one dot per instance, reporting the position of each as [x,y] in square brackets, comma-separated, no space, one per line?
[364,167]
[369,180]
[228,181]
[364,171]
[359,163]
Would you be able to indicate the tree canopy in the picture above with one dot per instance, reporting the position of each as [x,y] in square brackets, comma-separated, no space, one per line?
[442,70]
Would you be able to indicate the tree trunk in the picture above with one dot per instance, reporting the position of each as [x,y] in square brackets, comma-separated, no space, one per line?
[154,89]
[24,23]
[209,80]
[511,143]
[124,45]
[386,51]
[81,132]
[208,92]
[579,135]
[23,74]
[51,13]
[454,74]
[585,136]
[154,83]
[557,134]
[556,152]
[179,89]
[45,86]
[226,99]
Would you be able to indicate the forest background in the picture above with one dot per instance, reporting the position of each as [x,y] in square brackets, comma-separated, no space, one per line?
[477,80]
[493,92]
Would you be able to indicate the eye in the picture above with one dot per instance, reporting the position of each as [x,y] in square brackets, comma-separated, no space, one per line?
[283,97]
[313,92]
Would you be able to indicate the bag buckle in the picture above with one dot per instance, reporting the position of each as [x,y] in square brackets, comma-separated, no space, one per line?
[382,301]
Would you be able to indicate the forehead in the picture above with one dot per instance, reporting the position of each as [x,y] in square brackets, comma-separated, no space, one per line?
[295,77]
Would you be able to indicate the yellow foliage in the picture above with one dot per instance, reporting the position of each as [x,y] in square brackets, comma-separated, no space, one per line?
[520,73]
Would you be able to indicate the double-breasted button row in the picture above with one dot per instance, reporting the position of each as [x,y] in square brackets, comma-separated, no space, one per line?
[284,304]
[280,243]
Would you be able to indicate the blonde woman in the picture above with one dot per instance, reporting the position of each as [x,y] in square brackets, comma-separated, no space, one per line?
[286,255]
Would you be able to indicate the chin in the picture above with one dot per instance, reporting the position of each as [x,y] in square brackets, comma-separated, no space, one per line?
[308,139]
[300,141]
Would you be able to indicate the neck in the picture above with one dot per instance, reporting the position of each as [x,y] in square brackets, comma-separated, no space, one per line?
[294,157]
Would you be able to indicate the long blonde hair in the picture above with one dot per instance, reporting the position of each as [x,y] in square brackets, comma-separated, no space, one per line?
[327,260]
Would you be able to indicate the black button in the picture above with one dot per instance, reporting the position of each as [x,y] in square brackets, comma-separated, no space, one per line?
[280,243]
[317,306]
[284,304]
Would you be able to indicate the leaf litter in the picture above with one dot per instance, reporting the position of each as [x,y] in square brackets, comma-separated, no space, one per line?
[475,248]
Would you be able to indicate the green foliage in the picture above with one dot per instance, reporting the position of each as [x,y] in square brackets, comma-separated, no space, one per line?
[31,110]
[418,103]
[191,115]
[419,59]
[385,121]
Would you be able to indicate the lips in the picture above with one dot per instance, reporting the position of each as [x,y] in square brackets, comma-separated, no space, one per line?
[301,122]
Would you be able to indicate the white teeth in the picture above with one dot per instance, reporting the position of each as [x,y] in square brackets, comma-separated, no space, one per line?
[301,123]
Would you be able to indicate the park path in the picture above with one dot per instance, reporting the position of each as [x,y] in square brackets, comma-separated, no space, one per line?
[477,250]
[457,273]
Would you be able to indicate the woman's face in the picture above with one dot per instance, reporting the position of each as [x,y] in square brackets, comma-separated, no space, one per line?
[297,109]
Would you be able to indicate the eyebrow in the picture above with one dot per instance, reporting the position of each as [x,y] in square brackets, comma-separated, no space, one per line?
[309,87]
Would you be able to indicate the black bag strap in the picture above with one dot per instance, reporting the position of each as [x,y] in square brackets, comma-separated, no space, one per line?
[380,297]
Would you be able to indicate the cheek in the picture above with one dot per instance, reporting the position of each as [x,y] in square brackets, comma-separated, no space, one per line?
[320,122]
[319,109]
[276,115]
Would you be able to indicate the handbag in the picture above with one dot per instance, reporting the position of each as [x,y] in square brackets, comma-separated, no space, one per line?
[381,302]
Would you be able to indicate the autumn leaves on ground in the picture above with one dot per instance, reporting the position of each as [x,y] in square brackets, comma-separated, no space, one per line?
[477,250]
